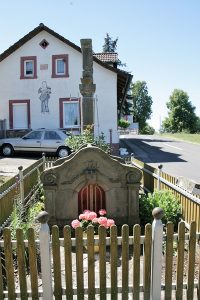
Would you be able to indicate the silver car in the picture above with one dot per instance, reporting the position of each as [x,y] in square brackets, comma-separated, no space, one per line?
[41,140]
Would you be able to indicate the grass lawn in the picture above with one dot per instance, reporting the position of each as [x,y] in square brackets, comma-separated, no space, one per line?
[194,138]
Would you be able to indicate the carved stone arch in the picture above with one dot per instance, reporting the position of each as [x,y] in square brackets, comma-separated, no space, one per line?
[92,197]
[83,180]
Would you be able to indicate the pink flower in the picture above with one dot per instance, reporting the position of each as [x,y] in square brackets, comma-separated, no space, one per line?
[82,216]
[92,215]
[87,217]
[103,221]
[95,220]
[110,222]
[75,223]
[102,212]
[86,211]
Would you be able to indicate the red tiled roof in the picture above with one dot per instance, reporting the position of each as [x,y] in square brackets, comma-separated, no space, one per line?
[107,56]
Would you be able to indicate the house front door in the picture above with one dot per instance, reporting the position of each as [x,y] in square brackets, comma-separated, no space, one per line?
[20,118]
[91,197]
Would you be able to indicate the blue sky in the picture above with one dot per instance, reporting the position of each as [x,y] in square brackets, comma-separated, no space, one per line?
[159,40]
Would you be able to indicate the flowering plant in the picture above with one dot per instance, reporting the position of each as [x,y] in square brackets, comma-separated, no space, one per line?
[91,218]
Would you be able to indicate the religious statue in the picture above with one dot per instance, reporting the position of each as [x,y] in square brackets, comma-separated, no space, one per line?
[44,92]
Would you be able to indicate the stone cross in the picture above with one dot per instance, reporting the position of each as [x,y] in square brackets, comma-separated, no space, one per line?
[87,87]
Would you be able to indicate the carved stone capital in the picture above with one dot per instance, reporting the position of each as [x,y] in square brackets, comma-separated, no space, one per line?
[50,179]
[133,176]
[87,89]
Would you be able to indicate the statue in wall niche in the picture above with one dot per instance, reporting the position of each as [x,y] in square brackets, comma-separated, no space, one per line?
[44,92]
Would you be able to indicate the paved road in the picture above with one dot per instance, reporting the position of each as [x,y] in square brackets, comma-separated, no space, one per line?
[177,157]
[9,166]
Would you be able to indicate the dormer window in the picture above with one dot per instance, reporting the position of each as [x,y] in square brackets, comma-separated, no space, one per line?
[28,67]
[60,66]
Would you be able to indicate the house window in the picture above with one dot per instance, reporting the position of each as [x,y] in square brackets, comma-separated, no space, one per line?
[19,114]
[60,66]
[70,113]
[28,67]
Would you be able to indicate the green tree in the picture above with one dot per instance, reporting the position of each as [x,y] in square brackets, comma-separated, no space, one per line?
[142,103]
[198,125]
[181,114]
[127,108]
[109,45]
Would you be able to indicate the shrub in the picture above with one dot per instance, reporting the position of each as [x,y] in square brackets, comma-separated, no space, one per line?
[147,129]
[164,199]
[75,142]
[123,123]
[24,217]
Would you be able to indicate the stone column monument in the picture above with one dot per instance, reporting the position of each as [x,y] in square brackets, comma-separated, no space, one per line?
[87,87]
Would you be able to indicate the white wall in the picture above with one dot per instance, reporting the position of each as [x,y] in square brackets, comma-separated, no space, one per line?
[105,102]
[14,88]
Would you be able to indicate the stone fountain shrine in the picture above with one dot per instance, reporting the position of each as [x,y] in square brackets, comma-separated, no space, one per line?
[91,179]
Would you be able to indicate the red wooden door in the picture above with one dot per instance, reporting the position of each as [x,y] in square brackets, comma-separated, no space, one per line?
[91,197]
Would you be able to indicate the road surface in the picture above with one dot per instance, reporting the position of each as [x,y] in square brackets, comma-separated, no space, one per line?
[9,166]
[178,158]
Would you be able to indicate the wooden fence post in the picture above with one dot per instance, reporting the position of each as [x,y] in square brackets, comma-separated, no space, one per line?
[45,256]
[110,133]
[21,183]
[156,258]
[159,176]
[44,161]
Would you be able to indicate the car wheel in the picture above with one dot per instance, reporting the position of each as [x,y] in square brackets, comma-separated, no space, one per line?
[63,152]
[7,150]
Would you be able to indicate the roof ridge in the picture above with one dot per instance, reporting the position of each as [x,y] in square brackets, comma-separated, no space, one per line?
[106,53]
[42,27]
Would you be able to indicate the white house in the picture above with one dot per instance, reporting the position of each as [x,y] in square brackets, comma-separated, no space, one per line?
[39,86]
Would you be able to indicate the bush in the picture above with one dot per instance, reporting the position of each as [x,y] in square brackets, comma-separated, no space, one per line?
[164,199]
[24,217]
[123,123]
[147,129]
[75,142]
